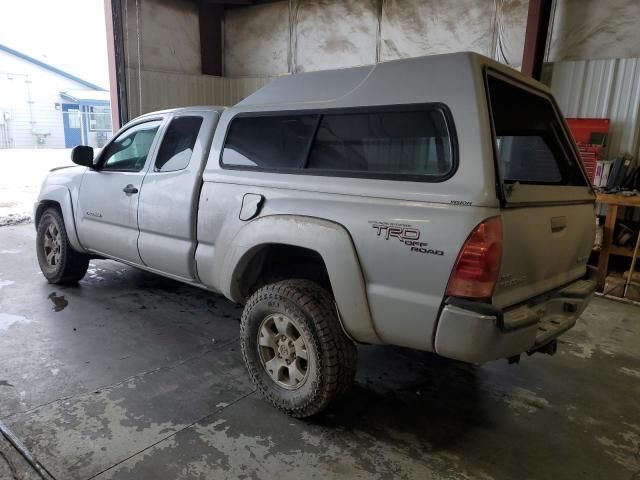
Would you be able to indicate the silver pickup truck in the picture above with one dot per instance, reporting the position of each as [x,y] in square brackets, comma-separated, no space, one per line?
[435,203]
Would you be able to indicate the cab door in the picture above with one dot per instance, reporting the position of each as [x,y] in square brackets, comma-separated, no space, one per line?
[168,205]
[107,213]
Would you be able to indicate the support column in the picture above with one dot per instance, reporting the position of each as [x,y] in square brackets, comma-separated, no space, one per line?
[211,15]
[535,40]
[115,53]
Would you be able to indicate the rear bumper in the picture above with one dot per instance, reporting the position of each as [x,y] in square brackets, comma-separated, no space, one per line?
[477,332]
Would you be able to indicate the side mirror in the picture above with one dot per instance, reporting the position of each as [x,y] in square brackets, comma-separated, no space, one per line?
[82,155]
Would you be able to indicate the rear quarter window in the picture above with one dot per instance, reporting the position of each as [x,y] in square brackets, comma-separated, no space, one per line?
[269,142]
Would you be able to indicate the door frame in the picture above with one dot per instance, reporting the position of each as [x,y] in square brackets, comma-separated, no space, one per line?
[153,150]
[69,134]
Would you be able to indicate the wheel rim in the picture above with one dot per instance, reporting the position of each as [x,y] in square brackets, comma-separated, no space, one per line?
[283,351]
[52,245]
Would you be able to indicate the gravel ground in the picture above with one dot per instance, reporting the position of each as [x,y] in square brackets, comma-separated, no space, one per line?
[21,174]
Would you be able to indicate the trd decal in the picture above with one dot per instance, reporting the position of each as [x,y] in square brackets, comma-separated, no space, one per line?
[509,280]
[400,232]
[407,234]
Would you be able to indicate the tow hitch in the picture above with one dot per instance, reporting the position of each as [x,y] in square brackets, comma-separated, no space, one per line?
[550,348]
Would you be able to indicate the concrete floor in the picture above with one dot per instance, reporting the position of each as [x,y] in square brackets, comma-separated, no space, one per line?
[132,376]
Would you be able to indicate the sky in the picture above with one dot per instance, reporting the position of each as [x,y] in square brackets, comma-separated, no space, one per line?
[67,34]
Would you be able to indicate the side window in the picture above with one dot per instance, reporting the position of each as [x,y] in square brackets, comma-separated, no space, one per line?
[177,145]
[128,152]
[270,141]
[74,118]
[383,143]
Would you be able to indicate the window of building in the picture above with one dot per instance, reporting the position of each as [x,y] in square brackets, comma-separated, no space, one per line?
[99,119]
[73,115]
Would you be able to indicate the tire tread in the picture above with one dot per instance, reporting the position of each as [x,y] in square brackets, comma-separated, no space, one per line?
[75,264]
[338,354]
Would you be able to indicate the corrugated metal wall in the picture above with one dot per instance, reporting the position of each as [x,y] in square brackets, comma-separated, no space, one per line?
[603,88]
[162,90]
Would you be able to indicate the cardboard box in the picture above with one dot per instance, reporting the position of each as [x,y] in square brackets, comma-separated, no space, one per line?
[603,168]
[614,285]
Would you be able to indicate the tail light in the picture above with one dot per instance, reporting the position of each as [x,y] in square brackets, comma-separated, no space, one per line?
[477,267]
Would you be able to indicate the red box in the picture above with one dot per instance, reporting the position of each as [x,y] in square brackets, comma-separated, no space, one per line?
[583,130]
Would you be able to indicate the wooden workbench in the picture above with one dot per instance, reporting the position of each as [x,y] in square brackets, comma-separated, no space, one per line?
[608,248]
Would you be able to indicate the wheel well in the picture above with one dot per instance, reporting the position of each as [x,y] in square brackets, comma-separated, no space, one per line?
[276,262]
[42,206]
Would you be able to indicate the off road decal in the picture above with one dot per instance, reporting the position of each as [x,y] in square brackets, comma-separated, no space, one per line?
[407,234]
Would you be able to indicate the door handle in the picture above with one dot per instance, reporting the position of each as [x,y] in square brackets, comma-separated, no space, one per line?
[558,224]
[130,189]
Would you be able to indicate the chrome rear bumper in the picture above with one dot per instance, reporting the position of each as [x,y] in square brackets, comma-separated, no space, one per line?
[478,332]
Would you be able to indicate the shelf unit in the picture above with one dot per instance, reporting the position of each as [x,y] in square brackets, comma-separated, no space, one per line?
[608,248]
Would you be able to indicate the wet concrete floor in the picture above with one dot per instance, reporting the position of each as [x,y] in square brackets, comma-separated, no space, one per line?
[131,376]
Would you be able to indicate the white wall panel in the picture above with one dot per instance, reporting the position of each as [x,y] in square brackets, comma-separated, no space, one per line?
[304,35]
[29,94]
[161,90]
[162,35]
[331,34]
[606,89]
[256,40]
[414,28]
[511,24]
[589,29]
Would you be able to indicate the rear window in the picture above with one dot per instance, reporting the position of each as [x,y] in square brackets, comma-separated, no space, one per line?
[531,144]
[415,144]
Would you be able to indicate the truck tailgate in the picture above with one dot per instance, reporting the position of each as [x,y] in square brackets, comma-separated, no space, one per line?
[544,247]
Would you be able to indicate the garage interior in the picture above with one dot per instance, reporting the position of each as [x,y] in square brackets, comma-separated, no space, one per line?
[130,375]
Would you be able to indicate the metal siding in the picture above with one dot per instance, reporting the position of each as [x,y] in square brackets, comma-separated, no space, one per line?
[29,93]
[603,88]
[162,90]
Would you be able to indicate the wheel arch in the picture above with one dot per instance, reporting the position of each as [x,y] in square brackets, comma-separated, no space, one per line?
[59,196]
[326,241]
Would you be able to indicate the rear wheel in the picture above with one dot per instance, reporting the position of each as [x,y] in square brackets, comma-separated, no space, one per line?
[294,348]
[59,262]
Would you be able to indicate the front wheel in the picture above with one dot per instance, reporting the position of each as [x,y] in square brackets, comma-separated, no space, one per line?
[59,262]
[294,348]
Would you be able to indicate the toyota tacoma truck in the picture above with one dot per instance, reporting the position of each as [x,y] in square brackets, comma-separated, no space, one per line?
[435,203]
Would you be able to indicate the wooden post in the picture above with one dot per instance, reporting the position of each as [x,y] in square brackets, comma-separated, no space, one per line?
[535,39]
[115,56]
[607,241]
[210,17]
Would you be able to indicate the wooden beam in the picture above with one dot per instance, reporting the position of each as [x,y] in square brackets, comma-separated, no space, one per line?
[115,56]
[210,15]
[535,40]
